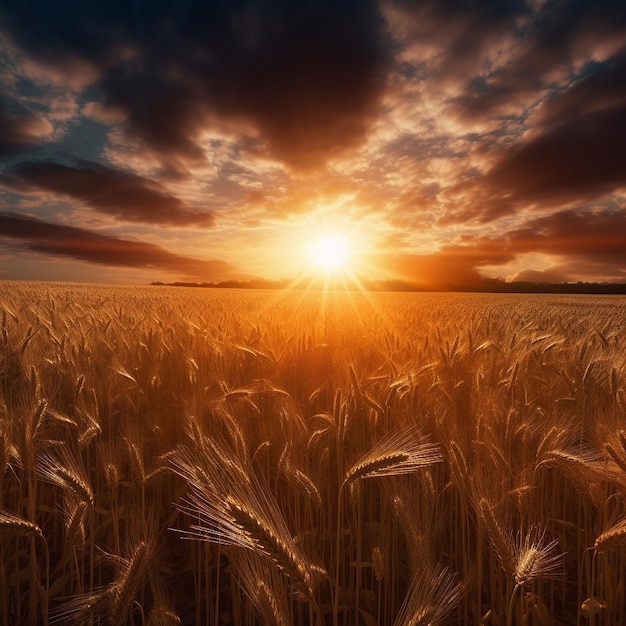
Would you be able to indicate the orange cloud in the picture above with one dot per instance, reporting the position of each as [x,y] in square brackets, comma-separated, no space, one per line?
[83,245]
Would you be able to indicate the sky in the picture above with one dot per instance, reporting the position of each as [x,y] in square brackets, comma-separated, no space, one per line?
[442,141]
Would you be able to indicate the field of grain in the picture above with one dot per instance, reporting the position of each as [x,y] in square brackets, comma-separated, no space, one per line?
[181,456]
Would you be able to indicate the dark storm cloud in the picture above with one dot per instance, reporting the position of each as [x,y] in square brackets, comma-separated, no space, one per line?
[565,31]
[597,235]
[121,194]
[66,33]
[602,90]
[305,76]
[83,245]
[578,159]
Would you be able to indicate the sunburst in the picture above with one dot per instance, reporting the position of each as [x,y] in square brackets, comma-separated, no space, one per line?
[330,253]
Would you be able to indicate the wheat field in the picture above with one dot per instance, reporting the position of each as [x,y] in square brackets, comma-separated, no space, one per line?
[181,456]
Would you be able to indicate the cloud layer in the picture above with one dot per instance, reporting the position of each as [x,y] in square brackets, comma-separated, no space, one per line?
[121,194]
[82,245]
[473,139]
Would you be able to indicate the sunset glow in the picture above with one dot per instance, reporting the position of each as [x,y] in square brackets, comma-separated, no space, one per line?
[174,142]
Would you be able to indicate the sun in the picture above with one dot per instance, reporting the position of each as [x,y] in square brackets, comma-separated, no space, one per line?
[330,253]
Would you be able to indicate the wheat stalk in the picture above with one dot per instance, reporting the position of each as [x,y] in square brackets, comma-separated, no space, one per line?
[82,608]
[383,465]
[129,582]
[585,469]
[378,563]
[162,615]
[431,598]
[75,525]
[241,513]
[305,483]
[76,482]
[264,587]
[500,541]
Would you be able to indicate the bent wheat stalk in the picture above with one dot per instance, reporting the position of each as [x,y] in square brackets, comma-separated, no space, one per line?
[130,580]
[611,537]
[14,524]
[501,542]
[66,472]
[396,454]
[241,513]
[264,586]
[267,542]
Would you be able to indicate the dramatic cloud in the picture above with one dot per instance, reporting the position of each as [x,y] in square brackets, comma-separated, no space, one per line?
[83,245]
[580,243]
[574,151]
[596,235]
[453,35]
[20,128]
[585,245]
[602,90]
[123,195]
[305,78]
[578,159]
[534,51]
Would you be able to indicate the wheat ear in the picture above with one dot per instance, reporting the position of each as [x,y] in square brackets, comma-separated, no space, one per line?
[75,525]
[305,483]
[269,543]
[264,586]
[11,523]
[66,473]
[81,609]
[242,513]
[536,559]
[614,536]
[162,615]
[399,453]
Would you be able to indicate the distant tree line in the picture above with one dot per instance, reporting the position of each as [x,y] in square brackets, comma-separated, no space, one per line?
[494,285]
[486,285]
